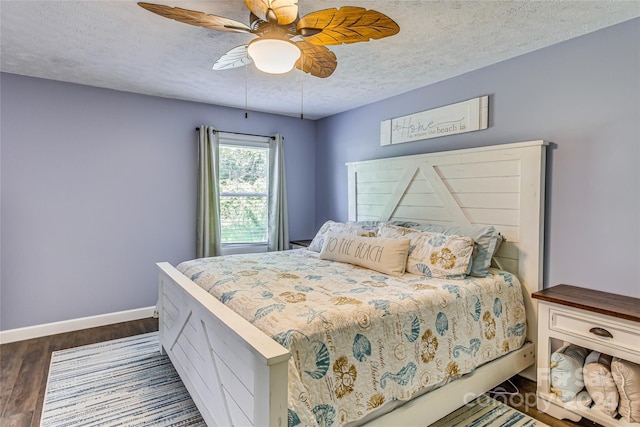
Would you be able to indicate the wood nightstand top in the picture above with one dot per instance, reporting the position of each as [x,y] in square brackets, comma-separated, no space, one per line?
[620,306]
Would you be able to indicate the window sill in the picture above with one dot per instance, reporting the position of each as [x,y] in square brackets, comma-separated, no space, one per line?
[243,248]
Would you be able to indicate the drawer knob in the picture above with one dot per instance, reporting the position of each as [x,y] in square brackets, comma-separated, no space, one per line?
[601,332]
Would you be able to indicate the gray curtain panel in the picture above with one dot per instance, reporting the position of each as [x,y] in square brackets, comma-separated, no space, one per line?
[278,220]
[208,206]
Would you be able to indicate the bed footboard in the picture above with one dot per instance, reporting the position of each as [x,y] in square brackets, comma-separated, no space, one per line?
[235,374]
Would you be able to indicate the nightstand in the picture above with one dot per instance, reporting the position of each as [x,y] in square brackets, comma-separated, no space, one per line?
[299,244]
[595,320]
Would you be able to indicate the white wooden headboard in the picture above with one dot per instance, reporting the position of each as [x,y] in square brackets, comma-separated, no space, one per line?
[499,185]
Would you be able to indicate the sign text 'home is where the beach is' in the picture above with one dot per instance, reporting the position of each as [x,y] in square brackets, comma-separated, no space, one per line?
[465,116]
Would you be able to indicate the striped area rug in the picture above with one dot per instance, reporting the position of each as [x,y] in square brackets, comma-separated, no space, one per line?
[127,383]
[123,382]
[487,412]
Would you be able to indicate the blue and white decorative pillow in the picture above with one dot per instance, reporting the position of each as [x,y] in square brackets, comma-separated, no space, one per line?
[486,238]
[434,254]
[567,379]
[437,255]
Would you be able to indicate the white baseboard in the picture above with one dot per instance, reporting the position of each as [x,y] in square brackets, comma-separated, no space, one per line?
[37,331]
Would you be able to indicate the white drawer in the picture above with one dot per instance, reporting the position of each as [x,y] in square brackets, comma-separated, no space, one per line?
[604,330]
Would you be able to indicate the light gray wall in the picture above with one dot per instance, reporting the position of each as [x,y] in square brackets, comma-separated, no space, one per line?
[98,185]
[584,96]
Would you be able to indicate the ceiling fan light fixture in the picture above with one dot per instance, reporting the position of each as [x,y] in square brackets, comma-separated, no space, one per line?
[276,23]
[273,56]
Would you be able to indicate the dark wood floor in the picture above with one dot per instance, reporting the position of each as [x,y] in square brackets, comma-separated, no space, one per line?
[525,402]
[24,367]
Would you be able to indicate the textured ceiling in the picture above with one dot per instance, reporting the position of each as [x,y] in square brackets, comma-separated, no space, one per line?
[118,45]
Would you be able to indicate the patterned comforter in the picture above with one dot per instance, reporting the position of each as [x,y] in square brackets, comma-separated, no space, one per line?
[360,339]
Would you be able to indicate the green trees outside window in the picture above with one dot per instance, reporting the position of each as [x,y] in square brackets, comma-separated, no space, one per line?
[243,193]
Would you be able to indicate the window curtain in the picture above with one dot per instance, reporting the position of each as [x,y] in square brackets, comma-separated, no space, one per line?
[278,221]
[208,206]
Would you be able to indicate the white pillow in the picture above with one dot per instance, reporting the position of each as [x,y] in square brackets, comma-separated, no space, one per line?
[627,377]
[337,227]
[600,384]
[388,256]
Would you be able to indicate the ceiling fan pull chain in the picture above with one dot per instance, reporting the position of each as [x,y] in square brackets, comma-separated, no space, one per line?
[302,88]
[246,88]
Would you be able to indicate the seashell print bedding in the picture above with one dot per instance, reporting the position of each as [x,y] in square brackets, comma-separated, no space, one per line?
[360,339]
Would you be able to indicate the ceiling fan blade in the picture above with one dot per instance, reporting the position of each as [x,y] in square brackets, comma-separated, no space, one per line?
[199,19]
[316,60]
[346,25]
[236,57]
[282,12]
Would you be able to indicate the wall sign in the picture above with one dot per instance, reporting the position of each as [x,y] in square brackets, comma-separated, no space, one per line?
[465,116]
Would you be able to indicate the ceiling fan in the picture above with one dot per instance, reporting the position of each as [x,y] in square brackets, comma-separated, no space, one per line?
[283,34]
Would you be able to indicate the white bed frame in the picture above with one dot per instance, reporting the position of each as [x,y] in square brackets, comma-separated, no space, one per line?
[237,375]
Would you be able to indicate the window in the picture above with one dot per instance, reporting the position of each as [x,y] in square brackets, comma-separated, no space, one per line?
[244,186]
[241,195]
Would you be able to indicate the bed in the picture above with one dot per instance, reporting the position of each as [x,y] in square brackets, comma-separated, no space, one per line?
[239,375]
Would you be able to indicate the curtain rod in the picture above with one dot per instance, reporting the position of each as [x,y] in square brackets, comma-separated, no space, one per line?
[240,133]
